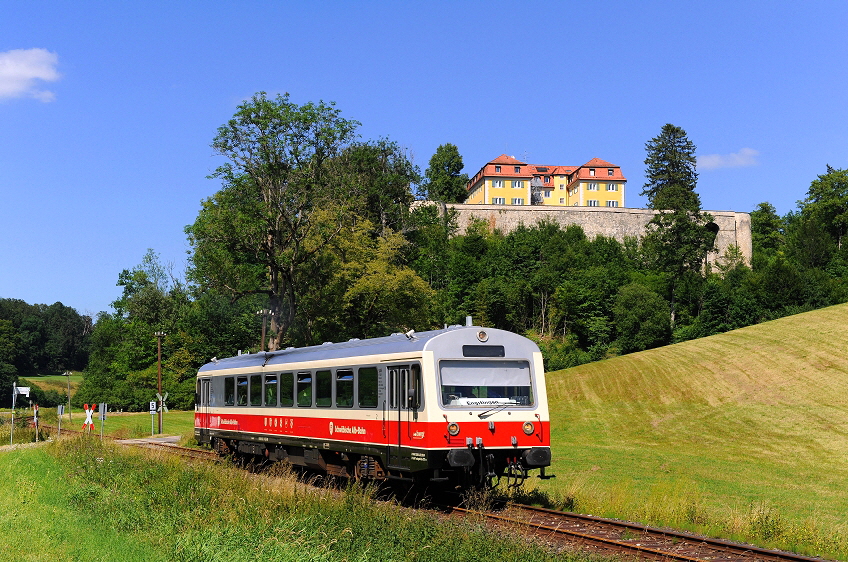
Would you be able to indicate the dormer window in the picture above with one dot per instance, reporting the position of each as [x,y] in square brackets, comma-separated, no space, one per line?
[518,169]
[497,169]
[592,172]
[610,171]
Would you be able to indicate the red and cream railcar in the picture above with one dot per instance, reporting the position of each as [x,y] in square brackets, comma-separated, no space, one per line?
[463,405]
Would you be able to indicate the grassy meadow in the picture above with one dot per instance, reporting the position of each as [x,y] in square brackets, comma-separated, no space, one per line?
[742,434]
[80,499]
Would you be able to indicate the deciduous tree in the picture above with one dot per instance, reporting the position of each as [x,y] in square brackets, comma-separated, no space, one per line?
[827,203]
[255,234]
[445,180]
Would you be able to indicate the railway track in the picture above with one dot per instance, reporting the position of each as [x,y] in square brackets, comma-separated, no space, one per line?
[609,536]
[148,444]
[569,530]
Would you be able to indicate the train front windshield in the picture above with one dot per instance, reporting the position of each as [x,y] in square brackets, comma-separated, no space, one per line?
[486,383]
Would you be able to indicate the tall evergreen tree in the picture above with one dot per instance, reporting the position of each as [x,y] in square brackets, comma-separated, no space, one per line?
[677,240]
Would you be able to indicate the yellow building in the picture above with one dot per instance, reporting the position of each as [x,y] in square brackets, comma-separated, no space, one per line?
[508,181]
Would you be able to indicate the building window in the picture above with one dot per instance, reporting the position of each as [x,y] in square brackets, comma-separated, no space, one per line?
[547,193]
[592,186]
[517,200]
[612,187]
[562,186]
[592,203]
[547,179]
[517,183]
[518,169]
[612,203]
[592,171]
[497,169]
[498,200]
[610,171]
[561,200]
[497,183]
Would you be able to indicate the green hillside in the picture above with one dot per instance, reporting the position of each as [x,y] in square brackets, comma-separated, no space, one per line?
[742,434]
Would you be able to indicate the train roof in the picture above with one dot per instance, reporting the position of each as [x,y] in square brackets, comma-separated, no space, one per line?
[396,343]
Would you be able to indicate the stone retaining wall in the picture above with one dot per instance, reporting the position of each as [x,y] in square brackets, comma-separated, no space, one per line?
[614,222]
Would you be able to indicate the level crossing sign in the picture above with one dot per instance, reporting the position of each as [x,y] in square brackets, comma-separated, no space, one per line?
[89,412]
[162,400]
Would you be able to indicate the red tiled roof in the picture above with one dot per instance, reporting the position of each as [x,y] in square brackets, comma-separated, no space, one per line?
[598,163]
[504,159]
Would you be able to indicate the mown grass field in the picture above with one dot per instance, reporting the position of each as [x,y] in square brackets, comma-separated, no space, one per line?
[742,434]
[59,383]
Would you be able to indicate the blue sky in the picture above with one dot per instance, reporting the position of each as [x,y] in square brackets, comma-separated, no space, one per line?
[107,109]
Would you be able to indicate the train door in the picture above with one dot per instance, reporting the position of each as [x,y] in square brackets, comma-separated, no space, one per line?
[205,400]
[404,402]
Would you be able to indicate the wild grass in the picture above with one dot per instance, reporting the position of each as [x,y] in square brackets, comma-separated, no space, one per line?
[742,435]
[140,505]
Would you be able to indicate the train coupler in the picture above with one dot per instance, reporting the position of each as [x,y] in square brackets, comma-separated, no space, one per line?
[516,474]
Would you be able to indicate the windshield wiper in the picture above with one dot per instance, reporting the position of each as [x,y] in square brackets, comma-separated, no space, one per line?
[497,408]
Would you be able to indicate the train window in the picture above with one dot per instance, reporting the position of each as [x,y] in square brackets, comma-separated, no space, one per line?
[287,390]
[241,391]
[270,390]
[414,401]
[323,389]
[344,388]
[367,390]
[394,375]
[255,390]
[486,383]
[304,390]
[229,391]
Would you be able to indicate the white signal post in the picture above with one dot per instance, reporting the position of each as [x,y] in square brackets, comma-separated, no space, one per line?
[159,336]
[152,415]
[103,407]
[24,391]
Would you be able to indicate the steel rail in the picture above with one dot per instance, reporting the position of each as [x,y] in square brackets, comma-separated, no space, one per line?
[719,549]
[721,544]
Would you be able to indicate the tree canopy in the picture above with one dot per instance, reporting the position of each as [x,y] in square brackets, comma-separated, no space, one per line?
[445,180]
[281,202]
[827,203]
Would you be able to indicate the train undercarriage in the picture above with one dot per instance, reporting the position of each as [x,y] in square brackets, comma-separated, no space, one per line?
[472,466]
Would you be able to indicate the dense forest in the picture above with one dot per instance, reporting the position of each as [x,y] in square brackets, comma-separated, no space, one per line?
[319,228]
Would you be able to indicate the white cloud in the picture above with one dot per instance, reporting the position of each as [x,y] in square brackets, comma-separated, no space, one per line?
[742,159]
[22,71]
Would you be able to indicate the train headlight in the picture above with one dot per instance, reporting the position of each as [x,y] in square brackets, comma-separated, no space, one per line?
[453,429]
[529,428]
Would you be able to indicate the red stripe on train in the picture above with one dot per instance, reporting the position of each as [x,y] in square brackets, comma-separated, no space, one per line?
[413,433]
